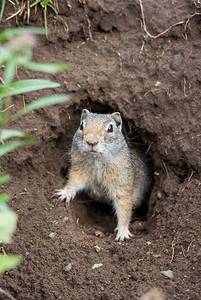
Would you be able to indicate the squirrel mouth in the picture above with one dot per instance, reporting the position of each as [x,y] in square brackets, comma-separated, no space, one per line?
[93,151]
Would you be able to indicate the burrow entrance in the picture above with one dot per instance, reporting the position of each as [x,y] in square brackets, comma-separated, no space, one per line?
[92,215]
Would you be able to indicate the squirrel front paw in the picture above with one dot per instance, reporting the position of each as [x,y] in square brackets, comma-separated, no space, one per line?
[123,233]
[65,194]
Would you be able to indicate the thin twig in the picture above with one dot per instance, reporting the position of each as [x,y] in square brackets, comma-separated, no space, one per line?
[50,173]
[24,104]
[184,87]
[149,148]
[11,2]
[3,251]
[88,21]
[189,179]
[189,246]
[182,249]
[14,15]
[2,81]
[7,294]
[166,169]
[173,244]
[28,11]
[7,108]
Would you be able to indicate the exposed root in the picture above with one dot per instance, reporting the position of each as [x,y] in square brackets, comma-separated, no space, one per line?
[145,27]
[88,21]
[166,30]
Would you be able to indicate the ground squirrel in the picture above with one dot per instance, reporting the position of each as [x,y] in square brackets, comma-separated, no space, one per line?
[103,165]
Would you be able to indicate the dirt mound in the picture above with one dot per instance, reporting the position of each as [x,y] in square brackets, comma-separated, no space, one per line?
[155,84]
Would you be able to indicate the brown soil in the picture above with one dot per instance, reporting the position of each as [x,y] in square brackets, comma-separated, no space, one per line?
[155,84]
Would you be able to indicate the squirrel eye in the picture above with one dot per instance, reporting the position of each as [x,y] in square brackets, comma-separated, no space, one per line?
[81,126]
[110,128]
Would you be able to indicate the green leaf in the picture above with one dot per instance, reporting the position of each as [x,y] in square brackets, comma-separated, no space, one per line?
[8,133]
[11,146]
[4,197]
[8,262]
[10,33]
[10,70]
[45,101]
[1,115]
[40,103]
[36,2]
[53,8]
[5,53]
[3,179]
[45,2]
[47,67]
[2,9]
[8,221]
[25,86]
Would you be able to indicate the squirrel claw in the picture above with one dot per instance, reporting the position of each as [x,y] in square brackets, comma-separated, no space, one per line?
[123,234]
[63,195]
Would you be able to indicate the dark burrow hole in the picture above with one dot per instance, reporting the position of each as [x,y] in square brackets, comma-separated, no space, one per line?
[87,212]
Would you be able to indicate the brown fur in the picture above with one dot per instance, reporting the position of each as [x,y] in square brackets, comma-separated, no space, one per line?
[103,165]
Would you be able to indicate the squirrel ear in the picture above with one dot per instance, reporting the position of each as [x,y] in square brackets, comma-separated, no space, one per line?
[117,117]
[84,114]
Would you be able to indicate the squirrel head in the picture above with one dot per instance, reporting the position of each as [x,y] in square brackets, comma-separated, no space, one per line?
[99,133]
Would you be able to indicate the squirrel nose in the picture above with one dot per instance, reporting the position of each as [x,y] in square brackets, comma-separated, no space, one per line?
[92,143]
[91,140]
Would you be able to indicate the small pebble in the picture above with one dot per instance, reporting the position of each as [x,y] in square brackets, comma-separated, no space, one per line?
[176,61]
[65,219]
[56,223]
[27,253]
[98,233]
[97,248]
[138,43]
[158,83]
[167,273]
[68,267]
[52,234]
[159,195]
[96,266]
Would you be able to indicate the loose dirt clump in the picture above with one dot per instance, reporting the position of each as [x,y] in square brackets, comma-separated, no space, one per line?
[155,84]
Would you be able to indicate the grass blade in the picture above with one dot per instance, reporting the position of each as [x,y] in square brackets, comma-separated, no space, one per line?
[8,133]
[45,101]
[8,220]
[25,86]
[45,2]
[53,8]
[11,146]
[47,67]
[8,262]
[40,103]
[2,9]
[10,33]
[9,72]
[4,179]
[4,198]
[35,3]
[45,19]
